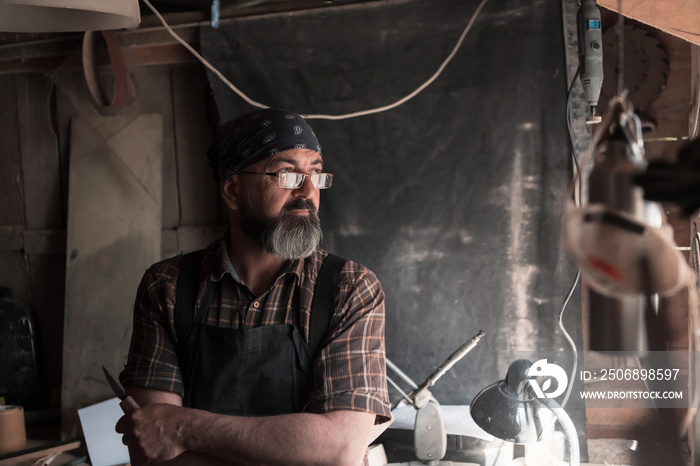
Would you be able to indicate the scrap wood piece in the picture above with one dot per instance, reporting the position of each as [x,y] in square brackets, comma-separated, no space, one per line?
[40,452]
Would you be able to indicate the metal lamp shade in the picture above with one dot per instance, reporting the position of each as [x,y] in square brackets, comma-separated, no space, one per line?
[68,15]
[507,415]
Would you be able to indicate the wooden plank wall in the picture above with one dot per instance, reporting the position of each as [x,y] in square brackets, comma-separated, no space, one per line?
[113,236]
[14,271]
[45,191]
[32,193]
[36,121]
[199,199]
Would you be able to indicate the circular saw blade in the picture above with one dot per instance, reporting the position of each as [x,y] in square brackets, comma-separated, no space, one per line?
[645,67]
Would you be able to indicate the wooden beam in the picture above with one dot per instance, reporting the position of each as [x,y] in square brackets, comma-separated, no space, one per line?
[41,173]
[52,242]
[198,195]
[11,238]
[11,192]
[148,45]
[168,54]
[44,241]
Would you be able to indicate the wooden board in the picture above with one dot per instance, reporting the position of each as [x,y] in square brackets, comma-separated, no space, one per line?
[113,236]
[155,95]
[13,265]
[66,110]
[11,193]
[40,164]
[48,278]
[14,273]
[192,238]
[198,194]
[678,18]
[35,452]
[44,183]
[11,238]
[187,239]
[12,212]
[694,121]
[51,242]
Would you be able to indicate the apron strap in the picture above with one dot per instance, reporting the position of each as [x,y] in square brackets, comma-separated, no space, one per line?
[322,304]
[186,293]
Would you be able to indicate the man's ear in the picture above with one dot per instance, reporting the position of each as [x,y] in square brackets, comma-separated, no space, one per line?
[230,192]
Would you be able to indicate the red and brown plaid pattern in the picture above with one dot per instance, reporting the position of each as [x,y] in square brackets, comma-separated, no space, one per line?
[349,372]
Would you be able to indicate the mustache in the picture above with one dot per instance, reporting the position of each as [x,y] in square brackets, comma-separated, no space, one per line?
[300,204]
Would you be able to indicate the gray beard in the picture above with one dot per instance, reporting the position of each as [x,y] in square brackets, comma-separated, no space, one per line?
[288,236]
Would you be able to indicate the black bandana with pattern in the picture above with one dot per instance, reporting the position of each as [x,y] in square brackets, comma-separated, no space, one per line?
[256,136]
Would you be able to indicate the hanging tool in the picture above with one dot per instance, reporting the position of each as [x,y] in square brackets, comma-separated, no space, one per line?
[590,55]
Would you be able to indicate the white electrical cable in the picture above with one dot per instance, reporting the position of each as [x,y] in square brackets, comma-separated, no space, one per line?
[569,339]
[578,271]
[323,116]
[201,58]
[568,427]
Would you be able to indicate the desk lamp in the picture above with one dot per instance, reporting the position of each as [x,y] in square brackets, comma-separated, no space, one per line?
[509,410]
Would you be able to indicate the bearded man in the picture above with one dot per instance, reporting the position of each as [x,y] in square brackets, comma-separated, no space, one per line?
[262,348]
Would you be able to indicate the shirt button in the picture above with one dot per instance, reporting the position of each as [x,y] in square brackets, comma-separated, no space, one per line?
[256,304]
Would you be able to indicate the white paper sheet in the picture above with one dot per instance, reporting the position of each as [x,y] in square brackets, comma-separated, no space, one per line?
[104,444]
[458,421]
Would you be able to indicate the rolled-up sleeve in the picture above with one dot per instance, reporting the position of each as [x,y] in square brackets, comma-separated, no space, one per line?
[152,360]
[350,372]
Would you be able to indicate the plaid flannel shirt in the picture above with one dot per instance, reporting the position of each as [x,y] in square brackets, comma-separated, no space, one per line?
[349,371]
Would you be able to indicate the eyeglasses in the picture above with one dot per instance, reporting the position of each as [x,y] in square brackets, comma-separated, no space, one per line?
[291,180]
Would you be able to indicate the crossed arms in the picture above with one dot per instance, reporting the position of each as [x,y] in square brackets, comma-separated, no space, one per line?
[163,431]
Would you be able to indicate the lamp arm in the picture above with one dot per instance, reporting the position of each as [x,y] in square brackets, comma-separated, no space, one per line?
[569,429]
[421,395]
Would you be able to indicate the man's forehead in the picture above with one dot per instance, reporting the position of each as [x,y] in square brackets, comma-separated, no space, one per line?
[294,157]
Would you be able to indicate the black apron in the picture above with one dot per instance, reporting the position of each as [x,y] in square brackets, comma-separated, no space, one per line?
[262,371]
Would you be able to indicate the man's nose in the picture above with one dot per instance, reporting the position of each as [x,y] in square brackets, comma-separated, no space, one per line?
[307,188]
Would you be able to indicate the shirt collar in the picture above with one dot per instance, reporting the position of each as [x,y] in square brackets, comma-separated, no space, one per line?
[221,264]
[295,267]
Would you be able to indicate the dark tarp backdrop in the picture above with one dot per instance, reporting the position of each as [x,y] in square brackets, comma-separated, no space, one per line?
[454,199]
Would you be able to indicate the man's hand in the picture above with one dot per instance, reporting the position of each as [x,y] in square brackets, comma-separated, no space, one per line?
[163,430]
[154,432]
